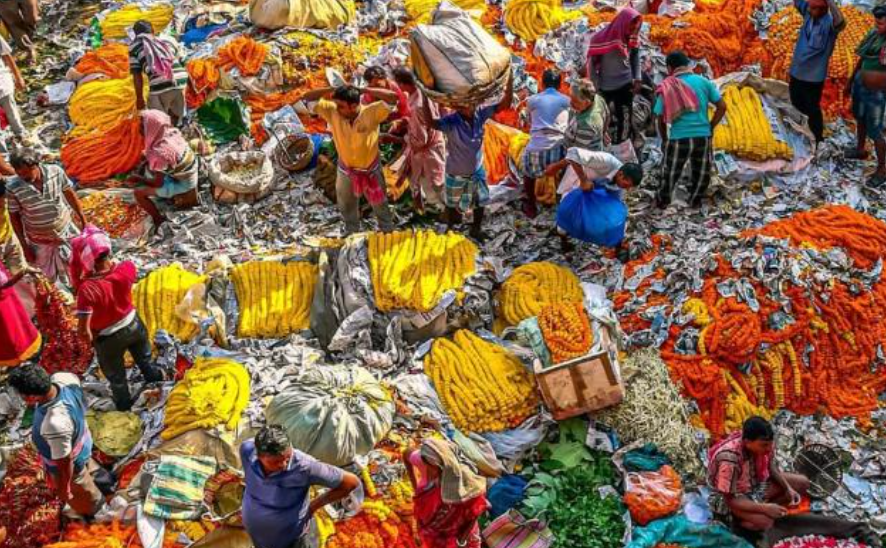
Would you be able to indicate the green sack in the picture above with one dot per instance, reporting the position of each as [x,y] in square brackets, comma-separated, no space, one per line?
[224,119]
[334,413]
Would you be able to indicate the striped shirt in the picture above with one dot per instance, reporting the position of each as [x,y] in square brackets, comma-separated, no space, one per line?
[586,128]
[156,82]
[44,213]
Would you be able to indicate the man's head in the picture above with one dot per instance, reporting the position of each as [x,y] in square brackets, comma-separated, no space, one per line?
[31,382]
[757,436]
[880,19]
[676,60]
[628,176]
[273,449]
[26,163]
[818,8]
[347,99]
[102,262]
[551,79]
[376,77]
[142,27]
[584,94]
[405,79]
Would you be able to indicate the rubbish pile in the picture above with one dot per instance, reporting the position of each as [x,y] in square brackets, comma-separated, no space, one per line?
[584,391]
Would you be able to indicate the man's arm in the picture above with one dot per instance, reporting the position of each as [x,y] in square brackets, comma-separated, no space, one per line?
[65,466]
[138,82]
[662,129]
[74,201]
[848,90]
[746,505]
[16,219]
[83,328]
[508,97]
[433,121]
[586,184]
[718,113]
[777,476]
[837,16]
[349,482]
[9,61]
[381,94]
[315,94]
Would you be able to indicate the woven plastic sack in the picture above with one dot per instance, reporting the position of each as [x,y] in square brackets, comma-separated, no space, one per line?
[594,216]
[256,181]
[315,14]
[334,413]
[455,58]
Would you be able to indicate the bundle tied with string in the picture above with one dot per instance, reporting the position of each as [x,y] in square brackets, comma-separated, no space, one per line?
[456,61]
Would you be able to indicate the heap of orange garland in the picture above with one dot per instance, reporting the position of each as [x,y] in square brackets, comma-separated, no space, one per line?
[823,358]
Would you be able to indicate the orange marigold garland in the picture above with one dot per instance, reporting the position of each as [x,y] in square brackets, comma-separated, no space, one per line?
[100,155]
[566,330]
[243,53]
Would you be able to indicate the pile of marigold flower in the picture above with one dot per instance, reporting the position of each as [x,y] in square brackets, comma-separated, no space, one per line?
[815,355]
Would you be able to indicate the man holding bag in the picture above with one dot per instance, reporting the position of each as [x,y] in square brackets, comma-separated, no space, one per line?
[681,104]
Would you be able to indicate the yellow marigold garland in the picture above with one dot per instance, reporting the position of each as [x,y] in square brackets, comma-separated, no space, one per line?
[483,387]
[214,391]
[274,297]
[116,23]
[566,329]
[156,296]
[101,105]
[533,286]
[746,131]
[412,270]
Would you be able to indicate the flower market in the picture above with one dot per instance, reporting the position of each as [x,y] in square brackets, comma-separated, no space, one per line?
[442,273]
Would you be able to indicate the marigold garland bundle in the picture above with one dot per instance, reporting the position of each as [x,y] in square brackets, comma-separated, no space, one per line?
[105,535]
[102,154]
[531,19]
[101,105]
[420,10]
[533,286]
[376,526]
[566,330]
[413,269]
[111,213]
[116,23]
[112,60]
[63,348]
[274,297]
[483,387]
[29,510]
[244,53]
[157,295]
[746,131]
[213,392]
[501,143]
[819,360]
[203,78]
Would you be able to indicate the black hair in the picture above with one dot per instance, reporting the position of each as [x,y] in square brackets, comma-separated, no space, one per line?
[757,429]
[271,440]
[634,172]
[374,73]
[142,27]
[22,157]
[102,256]
[551,78]
[348,94]
[30,380]
[677,59]
[404,76]
[879,11]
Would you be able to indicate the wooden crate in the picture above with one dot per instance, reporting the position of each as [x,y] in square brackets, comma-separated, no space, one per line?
[583,384]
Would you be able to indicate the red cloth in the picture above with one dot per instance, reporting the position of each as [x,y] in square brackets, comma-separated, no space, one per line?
[85,248]
[365,182]
[616,35]
[676,96]
[19,339]
[441,524]
[107,297]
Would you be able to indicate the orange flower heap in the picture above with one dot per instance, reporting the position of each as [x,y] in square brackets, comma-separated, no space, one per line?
[100,155]
[566,330]
[243,53]
[112,60]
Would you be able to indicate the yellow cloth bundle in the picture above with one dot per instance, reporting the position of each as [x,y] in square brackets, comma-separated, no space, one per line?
[213,392]
[532,287]
[412,270]
[274,297]
[116,23]
[158,294]
[483,387]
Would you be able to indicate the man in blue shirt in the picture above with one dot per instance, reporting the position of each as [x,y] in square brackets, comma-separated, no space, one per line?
[549,117]
[822,22]
[276,507]
[466,186]
[689,137]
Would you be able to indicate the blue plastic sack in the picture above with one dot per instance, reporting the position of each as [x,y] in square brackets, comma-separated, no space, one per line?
[594,216]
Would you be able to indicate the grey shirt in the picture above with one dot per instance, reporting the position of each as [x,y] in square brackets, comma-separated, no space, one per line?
[612,70]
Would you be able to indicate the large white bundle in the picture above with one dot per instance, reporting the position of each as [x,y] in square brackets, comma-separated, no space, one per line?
[318,14]
[455,56]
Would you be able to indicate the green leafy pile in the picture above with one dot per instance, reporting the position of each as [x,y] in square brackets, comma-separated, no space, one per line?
[570,490]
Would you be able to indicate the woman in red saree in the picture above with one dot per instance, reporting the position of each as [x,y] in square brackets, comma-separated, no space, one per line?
[450,496]
[19,339]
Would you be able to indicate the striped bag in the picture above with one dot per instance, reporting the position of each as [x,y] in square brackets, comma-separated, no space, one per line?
[512,530]
[176,491]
